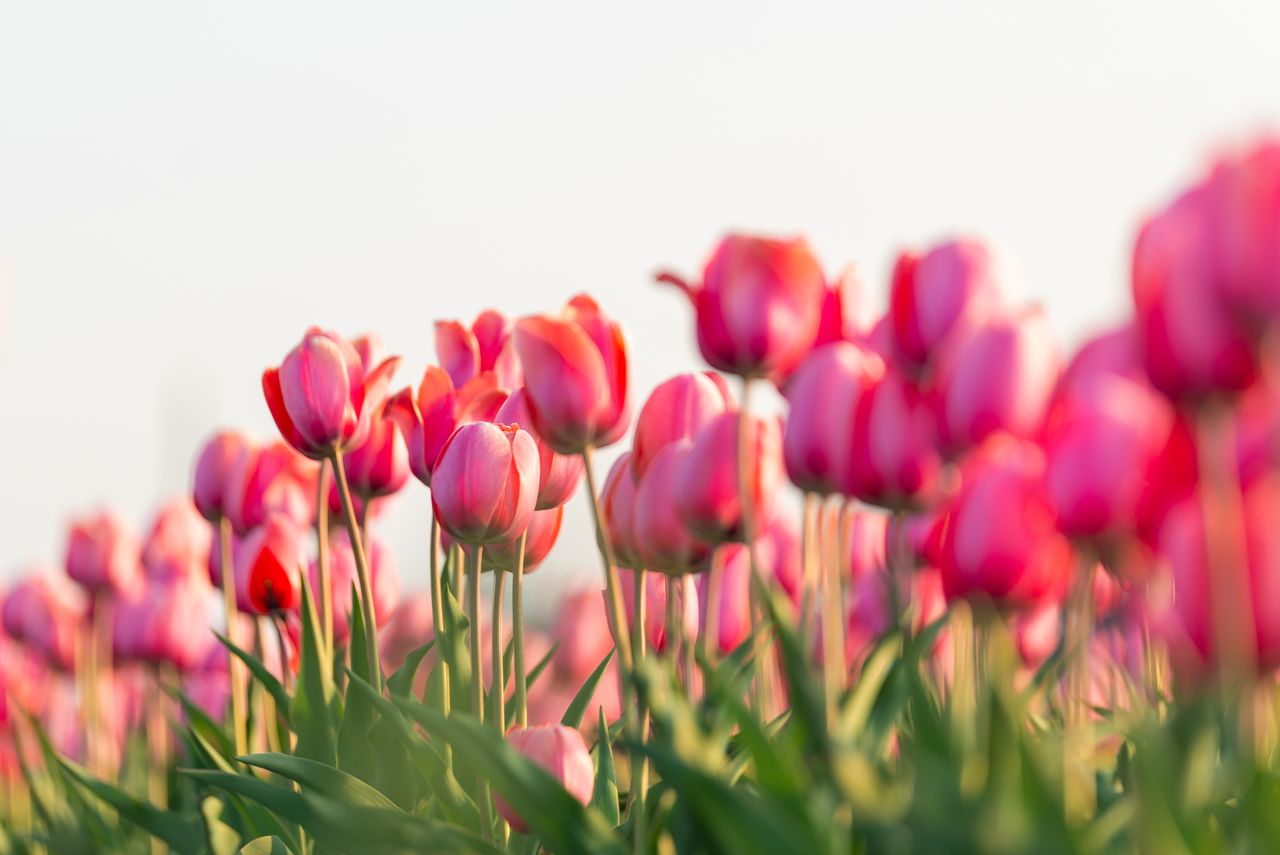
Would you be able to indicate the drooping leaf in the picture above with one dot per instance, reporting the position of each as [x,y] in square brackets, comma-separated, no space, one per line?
[323,779]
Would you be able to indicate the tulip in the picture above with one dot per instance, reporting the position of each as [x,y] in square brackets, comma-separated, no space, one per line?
[575,372]
[272,479]
[778,549]
[219,458]
[380,465]
[485,346]
[935,297]
[429,416]
[559,474]
[999,378]
[1037,632]
[1001,540]
[486,484]
[540,536]
[846,313]
[870,537]
[1243,230]
[177,547]
[166,623]
[661,538]
[562,753]
[412,626]
[895,460]
[871,612]
[581,636]
[677,409]
[209,684]
[724,595]
[44,612]
[103,554]
[708,494]
[824,392]
[656,588]
[759,305]
[342,574]
[323,396]
[267,564]
[617,506]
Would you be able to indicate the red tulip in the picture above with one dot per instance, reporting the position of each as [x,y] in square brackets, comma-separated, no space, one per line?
[267,564]
[540,536]
[323,396]
[662,540]
[486,345]
[562,753]
[618,507]
[559,474]
[1001,540]
[177,547]
[895,460]
[759,305]
[950,289]
[999,378]
[270,479]
[575,373]
[383,579]
[103,554]
[846,313]
[219,458]
[677,409]
[486,483]
[428,418]
[44,612]
[708,496]
[824,392]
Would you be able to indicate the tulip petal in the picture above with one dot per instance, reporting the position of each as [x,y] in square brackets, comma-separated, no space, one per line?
[458,351]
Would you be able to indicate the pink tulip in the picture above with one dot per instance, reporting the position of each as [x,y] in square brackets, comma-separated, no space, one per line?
[103,554]
[581,635]
[759,305]
[177,547]
[618,507]
[560,751]
[846,313]
[869,539]
[575,372]
[323,396]
[656,588]
[410,627]
[429,417]
[486,345]
[559,474]
[165,623]
[44,612]
[999,378]
[267,564]
[486,483]
[1243,230]
[937,296]
[383,579]
[1001,539]
[824,392]
[219,458]
[379,466]
[661,538]
[895,460]
[708,495]
[677,409]
[270,479]
[208,685]
[778,549]
[729,580]
[540,536]
[871,613]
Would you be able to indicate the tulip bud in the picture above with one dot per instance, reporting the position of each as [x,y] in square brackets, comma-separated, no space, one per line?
[218,459]
[562,753]
[934,297]
[103,554]
[677,409]
[824,392]
[540,536]
[322,396]
[428,417]
[44,612]
[271,479]
[661,538]
[383,579]
[575,371]
[559,474]
[177,547]
[708,496]
[1243,200]
[379,466]
[895,460]
[759,305]
[618,506]
[486,483]
[267,564]
[485,346]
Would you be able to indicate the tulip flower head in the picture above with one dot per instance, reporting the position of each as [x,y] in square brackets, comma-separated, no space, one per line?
[677,409]
[267,565]
[562,753]
[540,537]
[44,611]
[486,483]
[559,474]
[708,495]
[487,345]
[428,417]
[895,461]
[270,479]
[177,547]
[618,507]
[165,623]
[662,540]
[219,458]
[103,554]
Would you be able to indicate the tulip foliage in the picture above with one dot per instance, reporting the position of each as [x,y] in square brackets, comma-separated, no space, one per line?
[951,588]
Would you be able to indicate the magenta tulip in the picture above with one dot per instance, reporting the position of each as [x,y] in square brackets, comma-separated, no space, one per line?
[486,345]
[562,753]
[937,296]
[662,540]
[379,466]
[729,611]
[219,458]
[708,494]
[177,547]
[677,409]
[559,474]
[895,460]
[103,554]
[1243,225]
[272,478]
[486,483]
[267,566]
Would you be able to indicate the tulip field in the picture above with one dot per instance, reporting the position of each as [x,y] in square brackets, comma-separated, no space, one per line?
[917,580]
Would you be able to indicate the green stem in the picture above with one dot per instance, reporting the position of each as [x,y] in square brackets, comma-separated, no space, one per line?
[477,674]
[613,593]
[517,629]
[748,537]
[235,674]
[498,689]
[440,674]
[640,780]
[325,593]
[362,570]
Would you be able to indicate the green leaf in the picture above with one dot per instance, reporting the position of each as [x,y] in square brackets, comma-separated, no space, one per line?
[453,647]
[266,846]
[324,779]
[534,674]
[578,706]
[310,717]
[198,720]
[401,682]
[260,673]
[354,755]
[604,796]
[222,838]
[861,700]
[183,834]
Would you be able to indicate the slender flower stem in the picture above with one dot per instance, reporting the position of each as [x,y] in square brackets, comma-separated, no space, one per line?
[362,570]
[498,681]
[810,562]
[270,728]
[832,637]
[477,674]
[157,753]
[235,668]
[325,593]
[517,630]
[748,538]
[441,671]
[640,780]
[711,623]
[1078,773]
[613,592]
[672,625]
[282,647]
[686,643]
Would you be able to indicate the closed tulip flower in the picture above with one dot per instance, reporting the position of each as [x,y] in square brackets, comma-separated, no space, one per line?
[323,396]
[895,462]
[267,564]
[166,623]
[708,496]
[562,753]
[219,458]
[486,483]
[662,540]
[1243,200]
[950,289]
[272,478]
[726,616]
[44,612]
[677,409]
[383,579]
[486,345]
[1001,541]
[540,536]
[379,466]
[559,474]
[575,374]
[618,507]
[824,392]
[103,554]
[177,547]
[428,416]
[999,378]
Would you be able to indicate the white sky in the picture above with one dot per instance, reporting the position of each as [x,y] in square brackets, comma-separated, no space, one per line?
[185,187]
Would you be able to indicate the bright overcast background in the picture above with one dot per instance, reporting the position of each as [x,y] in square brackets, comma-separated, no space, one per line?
[184,187]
